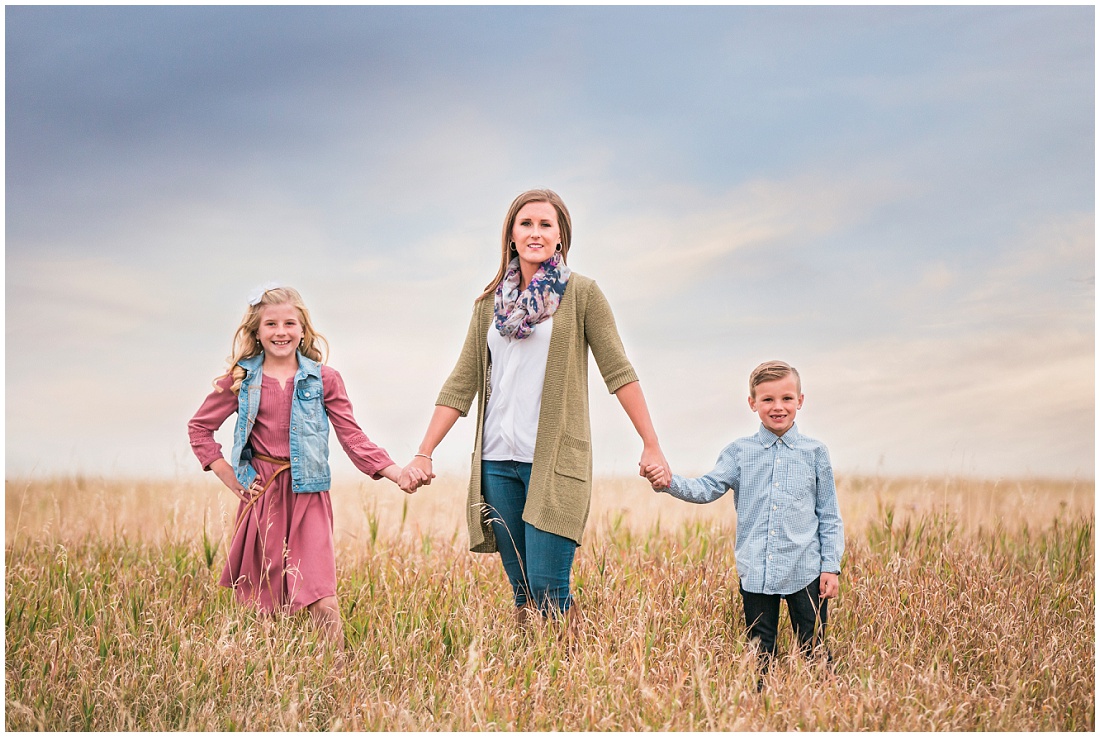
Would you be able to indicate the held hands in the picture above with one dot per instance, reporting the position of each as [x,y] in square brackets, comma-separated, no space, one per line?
[416,474]
[655,468]
[829,585]
[659,477]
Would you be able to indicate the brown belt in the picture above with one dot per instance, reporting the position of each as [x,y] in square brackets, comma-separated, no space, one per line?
[284,464]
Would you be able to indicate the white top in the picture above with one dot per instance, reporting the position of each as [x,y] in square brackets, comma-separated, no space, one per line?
[515,394]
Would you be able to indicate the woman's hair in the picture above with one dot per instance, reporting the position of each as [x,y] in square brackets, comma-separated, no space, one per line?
[772,371]
[246,343]
[565,225]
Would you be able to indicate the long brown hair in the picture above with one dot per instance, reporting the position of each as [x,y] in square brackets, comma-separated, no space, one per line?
[565,225]
[246,343]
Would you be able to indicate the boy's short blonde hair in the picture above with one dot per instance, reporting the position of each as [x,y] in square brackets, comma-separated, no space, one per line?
[771,371]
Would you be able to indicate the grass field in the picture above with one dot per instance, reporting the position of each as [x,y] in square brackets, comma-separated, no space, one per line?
[964,605]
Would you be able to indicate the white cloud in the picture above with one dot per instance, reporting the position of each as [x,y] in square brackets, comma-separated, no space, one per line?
[872,228]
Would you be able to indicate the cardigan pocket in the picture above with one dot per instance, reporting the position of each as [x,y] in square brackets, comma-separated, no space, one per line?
[573,457]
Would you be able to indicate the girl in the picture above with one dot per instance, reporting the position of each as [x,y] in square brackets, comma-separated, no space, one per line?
[526,355]
[281,555]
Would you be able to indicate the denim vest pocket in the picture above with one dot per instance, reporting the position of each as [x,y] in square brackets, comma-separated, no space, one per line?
[310,393]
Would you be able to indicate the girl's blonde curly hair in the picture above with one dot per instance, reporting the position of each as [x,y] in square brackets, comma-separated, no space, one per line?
[246,342]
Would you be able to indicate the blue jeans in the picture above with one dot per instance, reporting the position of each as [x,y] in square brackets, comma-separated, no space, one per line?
[538,563]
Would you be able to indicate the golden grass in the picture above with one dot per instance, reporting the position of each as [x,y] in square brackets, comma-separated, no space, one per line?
[964,605]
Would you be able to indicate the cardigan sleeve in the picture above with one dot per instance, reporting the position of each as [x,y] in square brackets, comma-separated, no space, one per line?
[463,384]
[603,339]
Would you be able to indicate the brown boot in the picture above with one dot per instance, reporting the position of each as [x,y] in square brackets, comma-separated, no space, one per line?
[571,631]
[524,615]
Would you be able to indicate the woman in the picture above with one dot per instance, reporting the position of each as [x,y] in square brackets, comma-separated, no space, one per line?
[526,356]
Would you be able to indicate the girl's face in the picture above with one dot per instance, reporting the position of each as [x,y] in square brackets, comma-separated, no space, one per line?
[280,330]
[536,233]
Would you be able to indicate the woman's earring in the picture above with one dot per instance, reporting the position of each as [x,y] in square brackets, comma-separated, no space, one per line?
[511,245]
[558,248]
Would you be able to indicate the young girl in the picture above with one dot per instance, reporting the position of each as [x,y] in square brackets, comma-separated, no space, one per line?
[281,556]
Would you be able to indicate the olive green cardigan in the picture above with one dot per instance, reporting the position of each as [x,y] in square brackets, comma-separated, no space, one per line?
[561,474]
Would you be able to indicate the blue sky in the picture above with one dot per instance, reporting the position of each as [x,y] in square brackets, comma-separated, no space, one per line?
[897,200]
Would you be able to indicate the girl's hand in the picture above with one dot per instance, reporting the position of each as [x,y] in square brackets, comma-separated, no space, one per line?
[418,473]
[410,479]
[392,472]
[224,472]
[247,495]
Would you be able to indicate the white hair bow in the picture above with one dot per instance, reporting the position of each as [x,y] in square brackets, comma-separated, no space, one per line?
[258,293]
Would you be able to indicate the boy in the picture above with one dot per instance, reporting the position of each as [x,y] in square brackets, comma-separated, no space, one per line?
[790,537]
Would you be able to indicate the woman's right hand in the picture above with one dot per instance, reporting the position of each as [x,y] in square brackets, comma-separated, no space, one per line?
[419,470]
[417,473]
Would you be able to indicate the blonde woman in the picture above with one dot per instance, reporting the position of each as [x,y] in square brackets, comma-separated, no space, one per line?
[525,359]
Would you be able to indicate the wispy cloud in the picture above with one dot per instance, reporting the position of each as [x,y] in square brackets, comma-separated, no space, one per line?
[897,200]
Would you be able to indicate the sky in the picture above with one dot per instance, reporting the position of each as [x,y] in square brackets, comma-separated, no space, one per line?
[898,201]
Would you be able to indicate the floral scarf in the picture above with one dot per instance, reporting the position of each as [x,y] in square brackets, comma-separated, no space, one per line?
[516,314]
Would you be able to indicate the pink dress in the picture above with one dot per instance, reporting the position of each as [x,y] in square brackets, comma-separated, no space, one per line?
[282,557]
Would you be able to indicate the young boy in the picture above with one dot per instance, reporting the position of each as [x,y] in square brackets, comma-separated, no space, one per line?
[789,533]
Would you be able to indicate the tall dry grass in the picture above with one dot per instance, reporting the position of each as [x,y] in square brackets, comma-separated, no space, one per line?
[963,606]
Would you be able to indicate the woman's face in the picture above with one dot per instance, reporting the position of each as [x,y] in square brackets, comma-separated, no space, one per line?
[536,233]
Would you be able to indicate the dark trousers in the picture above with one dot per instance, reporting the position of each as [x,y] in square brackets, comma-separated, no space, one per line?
[808,612]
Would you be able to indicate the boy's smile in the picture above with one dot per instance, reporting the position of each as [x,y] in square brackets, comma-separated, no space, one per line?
[777,402]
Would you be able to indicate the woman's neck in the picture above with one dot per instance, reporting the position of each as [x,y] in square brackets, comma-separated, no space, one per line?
[527,273]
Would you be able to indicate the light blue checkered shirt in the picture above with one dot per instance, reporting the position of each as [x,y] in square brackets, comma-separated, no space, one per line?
[789,529]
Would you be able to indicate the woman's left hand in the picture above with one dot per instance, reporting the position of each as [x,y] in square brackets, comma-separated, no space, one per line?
[653,456]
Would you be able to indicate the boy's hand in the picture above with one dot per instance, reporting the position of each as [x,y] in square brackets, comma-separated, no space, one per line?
[659,476]
[829,585]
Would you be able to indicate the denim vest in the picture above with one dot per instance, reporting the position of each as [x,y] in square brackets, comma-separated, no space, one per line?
[309,468]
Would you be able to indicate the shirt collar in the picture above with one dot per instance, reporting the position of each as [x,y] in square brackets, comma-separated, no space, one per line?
[251,363]
[767,438]
[307,367]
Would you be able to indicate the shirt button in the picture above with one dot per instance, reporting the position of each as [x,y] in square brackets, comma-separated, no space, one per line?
[773,532]
[776,484]
[774,507]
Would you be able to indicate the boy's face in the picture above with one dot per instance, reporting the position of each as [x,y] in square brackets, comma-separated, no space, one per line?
[777,402]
